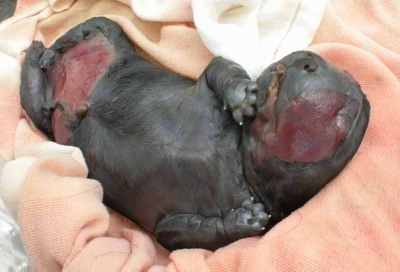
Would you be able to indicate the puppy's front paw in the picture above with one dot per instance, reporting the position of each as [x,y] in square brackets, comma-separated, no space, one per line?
[35,51]
[240,98]
[47,58]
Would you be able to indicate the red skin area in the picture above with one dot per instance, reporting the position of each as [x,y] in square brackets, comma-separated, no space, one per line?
[306,129]
[87,61]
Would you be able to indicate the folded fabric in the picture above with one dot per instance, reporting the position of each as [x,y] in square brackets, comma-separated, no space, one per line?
[258,32]
[253,33]
[351,225]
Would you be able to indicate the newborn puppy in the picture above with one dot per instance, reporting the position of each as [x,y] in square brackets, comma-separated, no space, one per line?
[198,164]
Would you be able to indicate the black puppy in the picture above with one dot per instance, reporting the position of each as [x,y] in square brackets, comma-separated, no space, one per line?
[199,164]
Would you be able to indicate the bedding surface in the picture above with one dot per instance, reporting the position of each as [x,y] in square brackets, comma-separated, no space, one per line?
[353,224]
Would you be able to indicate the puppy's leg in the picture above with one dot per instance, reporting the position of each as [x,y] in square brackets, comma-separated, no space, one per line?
[35,90]
[193,230]
[233,87]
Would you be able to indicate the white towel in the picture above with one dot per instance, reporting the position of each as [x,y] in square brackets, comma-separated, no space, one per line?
[253,33]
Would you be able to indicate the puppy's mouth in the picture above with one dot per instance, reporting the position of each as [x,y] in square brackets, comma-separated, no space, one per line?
[276,77]
[265,124]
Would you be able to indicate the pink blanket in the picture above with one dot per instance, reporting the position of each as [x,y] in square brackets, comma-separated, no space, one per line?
[353,224]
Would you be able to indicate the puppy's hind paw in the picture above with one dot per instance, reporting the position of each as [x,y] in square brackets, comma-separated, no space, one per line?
[248,220]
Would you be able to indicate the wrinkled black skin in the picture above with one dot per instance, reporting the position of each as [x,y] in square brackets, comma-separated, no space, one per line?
[169,156]
[7,8]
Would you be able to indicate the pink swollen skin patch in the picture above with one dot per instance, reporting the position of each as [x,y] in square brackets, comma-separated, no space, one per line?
[307,129]
[87,61]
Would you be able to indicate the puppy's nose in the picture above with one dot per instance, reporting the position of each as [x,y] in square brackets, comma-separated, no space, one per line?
[307,64]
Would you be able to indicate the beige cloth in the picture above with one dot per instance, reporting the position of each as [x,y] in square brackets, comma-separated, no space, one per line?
[353,224]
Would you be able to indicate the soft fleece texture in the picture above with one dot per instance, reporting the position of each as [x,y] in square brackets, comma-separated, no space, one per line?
[353,224]
[256,32]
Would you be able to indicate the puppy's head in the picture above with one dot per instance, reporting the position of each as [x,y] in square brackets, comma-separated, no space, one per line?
[311,117]
[307,108]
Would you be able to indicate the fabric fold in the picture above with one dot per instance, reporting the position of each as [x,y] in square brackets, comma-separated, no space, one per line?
[351,225]
[258,32]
